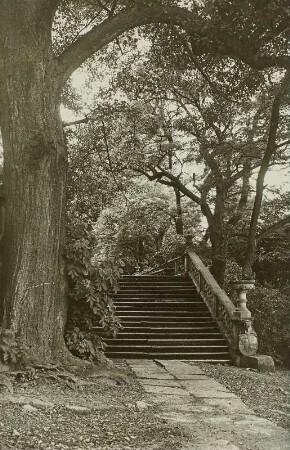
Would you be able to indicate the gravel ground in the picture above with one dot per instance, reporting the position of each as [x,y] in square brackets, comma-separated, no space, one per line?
[43,414]
[266,393]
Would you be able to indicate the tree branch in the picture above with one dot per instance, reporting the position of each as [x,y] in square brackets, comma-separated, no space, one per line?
[103,6]
[272,228]
[243,197]
[269,151]
[110,162]
[76,122]
[283,143]
[111,28]
[128,18]
[113,7]
[184,190]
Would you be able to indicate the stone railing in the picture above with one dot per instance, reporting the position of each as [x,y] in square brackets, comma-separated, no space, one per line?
[174,266]
[221,307]
[235,322]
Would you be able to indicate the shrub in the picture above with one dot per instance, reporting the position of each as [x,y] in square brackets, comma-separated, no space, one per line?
[83,344]
[90,283]
[11,349]
[270,309]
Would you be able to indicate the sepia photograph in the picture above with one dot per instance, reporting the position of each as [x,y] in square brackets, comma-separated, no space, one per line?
[144,225]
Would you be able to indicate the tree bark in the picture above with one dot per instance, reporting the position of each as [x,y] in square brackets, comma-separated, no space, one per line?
[35,166]
[179,218]
[219,237]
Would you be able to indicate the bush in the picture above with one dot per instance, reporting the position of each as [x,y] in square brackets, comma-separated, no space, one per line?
[84,344]
[11,349]
[270,309]
[90,283]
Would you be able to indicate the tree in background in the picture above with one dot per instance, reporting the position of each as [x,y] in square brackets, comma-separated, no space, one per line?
[142,232]
[180,130]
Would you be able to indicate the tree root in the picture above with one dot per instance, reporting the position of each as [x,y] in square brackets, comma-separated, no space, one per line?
[68,369]
[66,379]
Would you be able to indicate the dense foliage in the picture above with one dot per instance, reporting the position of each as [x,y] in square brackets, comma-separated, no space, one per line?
[142,231]
[270,308]
[164,111]
[90,283]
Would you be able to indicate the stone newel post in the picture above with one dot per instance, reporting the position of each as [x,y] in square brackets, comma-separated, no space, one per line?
[242,287]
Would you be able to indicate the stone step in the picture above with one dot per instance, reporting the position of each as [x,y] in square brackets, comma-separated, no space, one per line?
[161,304]
[147,320]
[167,342]
[161,313]
[150,288]
[143,309]
[163,317]
[216,357]
[161,300]
[171,334]
[168,324]
[167,348]
[166,299]
[158,278]
[160,332]
[157,285]
[143,294]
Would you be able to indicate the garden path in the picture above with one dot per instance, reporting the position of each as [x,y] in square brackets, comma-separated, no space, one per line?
[211,417]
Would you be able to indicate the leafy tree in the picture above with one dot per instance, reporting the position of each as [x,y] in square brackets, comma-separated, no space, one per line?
[169,127]
[142,232]
[272,241]
[269,153]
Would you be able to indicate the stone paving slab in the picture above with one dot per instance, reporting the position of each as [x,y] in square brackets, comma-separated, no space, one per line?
[228,405]
[162,398]
[166,390]
[206,383]
[158,382]
[192,377]
[147,375]
[181,368]
[252,433]
[211,417]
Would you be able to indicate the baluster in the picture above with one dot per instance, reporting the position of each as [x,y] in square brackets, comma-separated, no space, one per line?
[186,263]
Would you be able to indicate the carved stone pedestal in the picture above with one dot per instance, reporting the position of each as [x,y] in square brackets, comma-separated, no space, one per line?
[242,287]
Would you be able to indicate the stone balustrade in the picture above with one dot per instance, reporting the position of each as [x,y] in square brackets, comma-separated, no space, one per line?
[235,322]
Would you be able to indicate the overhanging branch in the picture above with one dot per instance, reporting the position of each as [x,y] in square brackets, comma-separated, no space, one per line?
[111,28]
[128,18]
[76,122]
[164,177]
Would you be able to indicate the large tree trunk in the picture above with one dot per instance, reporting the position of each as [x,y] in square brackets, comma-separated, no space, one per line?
[35,165]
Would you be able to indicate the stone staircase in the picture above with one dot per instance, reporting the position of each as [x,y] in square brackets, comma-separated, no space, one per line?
[163,317]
